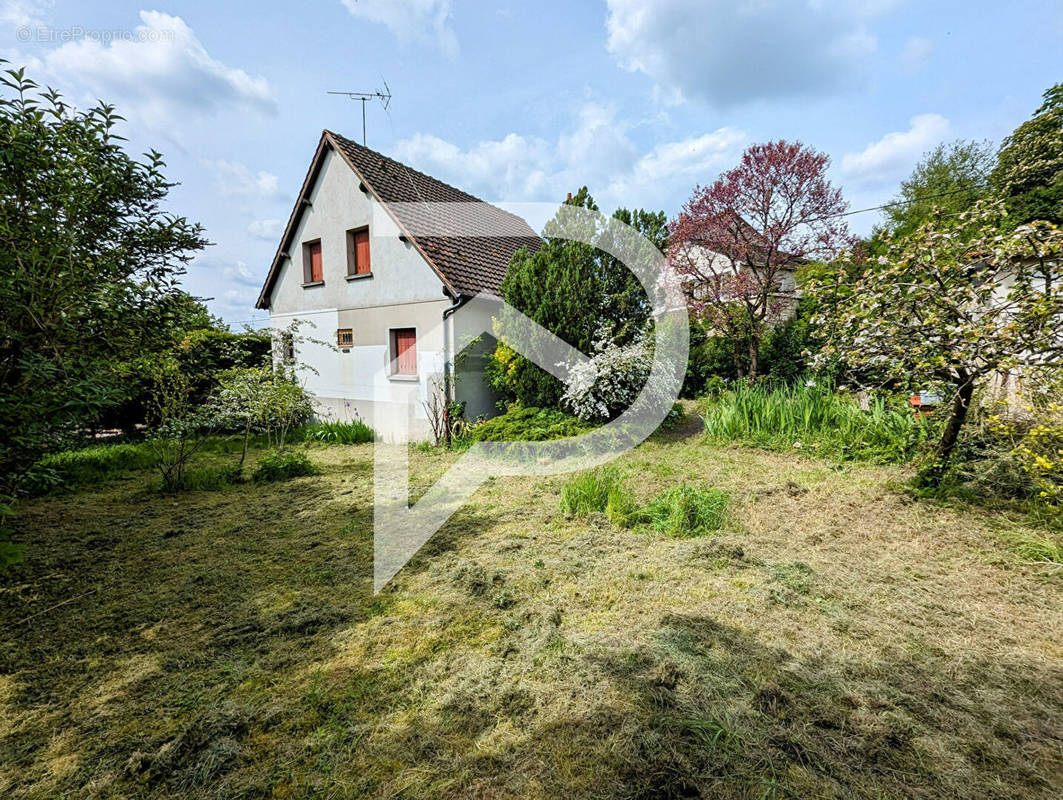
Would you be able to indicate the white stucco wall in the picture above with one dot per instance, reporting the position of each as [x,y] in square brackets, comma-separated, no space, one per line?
[403,292]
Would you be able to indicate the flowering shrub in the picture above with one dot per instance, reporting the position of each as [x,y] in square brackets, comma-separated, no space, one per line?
[1041,454]
[610,381]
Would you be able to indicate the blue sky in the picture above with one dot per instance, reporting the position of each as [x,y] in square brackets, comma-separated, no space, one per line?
[638,99]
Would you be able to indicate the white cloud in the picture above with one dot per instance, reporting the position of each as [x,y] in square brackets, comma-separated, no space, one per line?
[915,55]
[18,13]
[597,153]
[160,73]
[728,52]
[235,179]
[890,158]
[242,274]
[269,229]
[409,20]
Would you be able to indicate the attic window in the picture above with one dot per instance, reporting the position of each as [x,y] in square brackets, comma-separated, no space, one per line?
[358,263]
[313,271]
[345,337]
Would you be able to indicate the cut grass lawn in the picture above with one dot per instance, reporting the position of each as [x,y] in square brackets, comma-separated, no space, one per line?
[833,638]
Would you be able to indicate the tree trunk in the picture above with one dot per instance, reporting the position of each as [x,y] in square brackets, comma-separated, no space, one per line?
[961,404]
[243,453]
[736,352]
[753,348]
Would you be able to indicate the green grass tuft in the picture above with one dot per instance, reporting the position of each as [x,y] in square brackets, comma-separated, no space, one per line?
[685,511]
[1031,547]
[598,491]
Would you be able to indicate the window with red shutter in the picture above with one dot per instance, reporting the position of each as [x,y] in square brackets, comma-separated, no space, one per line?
[358,264]
[312,268]
[404,351]
[316,273]
[361,252]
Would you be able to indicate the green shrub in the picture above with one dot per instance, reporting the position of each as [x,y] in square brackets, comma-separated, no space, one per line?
[815,417]
[685,512]
[600,491]
[527,424]
[283,466]
[676,414]
[354,432]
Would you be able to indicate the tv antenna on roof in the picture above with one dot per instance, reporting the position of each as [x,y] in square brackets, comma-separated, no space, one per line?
[384,97]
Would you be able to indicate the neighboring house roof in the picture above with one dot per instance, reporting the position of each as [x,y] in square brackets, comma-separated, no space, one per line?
[466,264]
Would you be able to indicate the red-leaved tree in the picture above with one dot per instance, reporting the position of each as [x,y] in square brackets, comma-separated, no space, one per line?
[737,242]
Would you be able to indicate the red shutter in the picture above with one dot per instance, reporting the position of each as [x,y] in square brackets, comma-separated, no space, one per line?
[361,253]
[316,274]
[406,351]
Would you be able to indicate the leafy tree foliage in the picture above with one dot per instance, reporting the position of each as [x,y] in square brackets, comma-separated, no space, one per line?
[87,262]
[573,290]
[1029,171]
[951,177]
[736,240]
[950,305]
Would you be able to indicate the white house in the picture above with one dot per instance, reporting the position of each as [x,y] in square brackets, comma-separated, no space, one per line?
[385,297]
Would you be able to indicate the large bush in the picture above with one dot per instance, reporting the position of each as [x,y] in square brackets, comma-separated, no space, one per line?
[571,289]
[88,262]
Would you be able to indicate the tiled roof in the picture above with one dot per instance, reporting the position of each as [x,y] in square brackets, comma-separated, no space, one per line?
[467,263]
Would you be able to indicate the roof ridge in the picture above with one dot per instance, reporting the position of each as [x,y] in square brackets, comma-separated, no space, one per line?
[351,142]
[471,197]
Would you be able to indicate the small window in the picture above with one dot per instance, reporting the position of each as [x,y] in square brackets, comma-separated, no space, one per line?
[358,253]
[345,337]
[288,347]
[313,271]
[404,351]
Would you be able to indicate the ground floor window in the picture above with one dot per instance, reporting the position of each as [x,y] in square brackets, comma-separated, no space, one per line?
[403,351]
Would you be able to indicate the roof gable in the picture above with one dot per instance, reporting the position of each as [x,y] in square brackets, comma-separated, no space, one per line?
[465,264]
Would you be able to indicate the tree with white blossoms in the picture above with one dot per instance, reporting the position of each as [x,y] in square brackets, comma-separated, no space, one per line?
[610,380]
[950,305]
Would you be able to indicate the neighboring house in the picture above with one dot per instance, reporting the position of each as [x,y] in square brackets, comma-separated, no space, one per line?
[386,298]
[713,271]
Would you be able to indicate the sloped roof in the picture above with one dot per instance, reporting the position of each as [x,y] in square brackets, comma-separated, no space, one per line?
[466,264]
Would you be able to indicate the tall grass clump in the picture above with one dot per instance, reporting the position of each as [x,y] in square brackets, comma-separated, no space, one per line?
[353,432]
[685,511]
[816,417]
[597,491]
